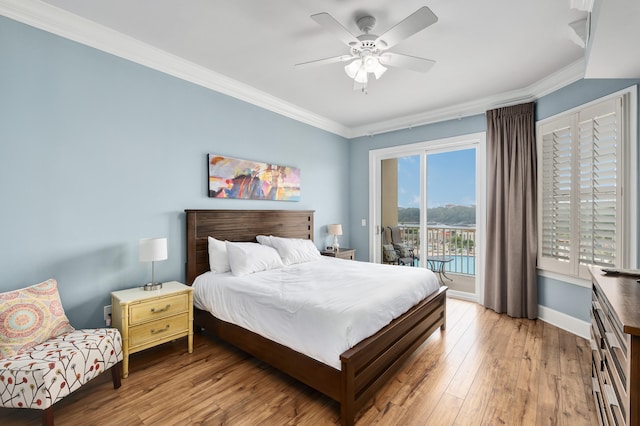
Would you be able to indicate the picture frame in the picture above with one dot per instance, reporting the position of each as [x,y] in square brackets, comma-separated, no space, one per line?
[234,178]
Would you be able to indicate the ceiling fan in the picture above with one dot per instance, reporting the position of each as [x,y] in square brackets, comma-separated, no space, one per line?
[368,52]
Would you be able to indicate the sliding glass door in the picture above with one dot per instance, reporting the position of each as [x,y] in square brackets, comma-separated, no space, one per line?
[451,217]
[428,203]
[401,209]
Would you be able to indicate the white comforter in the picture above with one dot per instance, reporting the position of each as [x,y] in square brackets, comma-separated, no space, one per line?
[319,308]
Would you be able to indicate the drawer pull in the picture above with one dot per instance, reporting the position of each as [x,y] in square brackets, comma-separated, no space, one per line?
[612,340]
[611,395]
[157,311]
[595,384]
[154,331]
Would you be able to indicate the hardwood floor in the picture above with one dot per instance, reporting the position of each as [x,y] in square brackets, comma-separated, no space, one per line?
[485,369]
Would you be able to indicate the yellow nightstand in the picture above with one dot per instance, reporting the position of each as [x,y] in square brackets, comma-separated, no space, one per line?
[148,318]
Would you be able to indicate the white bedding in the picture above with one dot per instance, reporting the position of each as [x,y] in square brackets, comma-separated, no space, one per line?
[319,308]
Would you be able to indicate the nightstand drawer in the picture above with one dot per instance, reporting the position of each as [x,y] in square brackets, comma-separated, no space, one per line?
[345,253]
[158,330]
[160,308]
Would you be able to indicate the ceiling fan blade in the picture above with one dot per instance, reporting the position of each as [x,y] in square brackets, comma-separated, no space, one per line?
[328,22]
[405,61]
[417,21]
[325,61]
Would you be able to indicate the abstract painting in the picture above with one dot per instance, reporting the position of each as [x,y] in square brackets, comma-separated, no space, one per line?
[252,180]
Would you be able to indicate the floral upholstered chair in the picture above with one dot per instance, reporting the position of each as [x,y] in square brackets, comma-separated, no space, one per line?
[42,358]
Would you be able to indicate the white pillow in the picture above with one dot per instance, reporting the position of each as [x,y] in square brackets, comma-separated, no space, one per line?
[294,250]
[218,258]
[264,240]
[247,258]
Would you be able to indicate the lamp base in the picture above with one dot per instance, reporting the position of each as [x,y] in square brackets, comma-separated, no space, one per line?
[152,286]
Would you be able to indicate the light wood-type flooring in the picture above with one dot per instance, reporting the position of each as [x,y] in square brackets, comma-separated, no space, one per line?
[485,369]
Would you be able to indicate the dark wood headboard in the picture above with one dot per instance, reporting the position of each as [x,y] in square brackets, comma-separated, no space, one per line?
[239,225]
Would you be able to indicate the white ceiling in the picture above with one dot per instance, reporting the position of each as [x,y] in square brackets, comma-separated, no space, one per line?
[486,52]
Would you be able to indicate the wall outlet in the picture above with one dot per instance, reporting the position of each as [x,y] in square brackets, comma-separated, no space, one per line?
[107,313]
[364,222]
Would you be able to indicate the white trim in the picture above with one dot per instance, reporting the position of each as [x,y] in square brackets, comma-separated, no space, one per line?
[469,297]
[564,321]
[562,78]
[375,187]
[49,18]
[73,27]
[449,144]
[481,213]
[631,221]
[569,279]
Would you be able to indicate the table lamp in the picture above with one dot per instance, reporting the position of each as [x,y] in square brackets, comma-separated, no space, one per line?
[153,250]
[335,230]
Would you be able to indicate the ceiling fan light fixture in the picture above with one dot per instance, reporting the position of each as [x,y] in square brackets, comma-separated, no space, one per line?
[379,70]
[359,69]
[352,68]
[368,52]
[361,76]
[370,63]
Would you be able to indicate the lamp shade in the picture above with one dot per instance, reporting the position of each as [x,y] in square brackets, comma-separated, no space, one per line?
[153,249]
[352,68]
[335,229]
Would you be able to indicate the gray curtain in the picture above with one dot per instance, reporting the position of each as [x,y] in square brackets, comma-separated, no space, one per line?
[510,276]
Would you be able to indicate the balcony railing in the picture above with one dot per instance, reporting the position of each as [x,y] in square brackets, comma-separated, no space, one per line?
[457,243]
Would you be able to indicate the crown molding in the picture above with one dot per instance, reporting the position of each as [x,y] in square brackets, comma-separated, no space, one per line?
[49,18]
[561,78]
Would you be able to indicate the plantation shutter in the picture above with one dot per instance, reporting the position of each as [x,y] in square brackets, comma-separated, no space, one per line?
[556,191]
[580,189]
[599,141]
[555,237]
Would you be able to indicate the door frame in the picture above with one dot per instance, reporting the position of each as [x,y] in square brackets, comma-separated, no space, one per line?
[376,156]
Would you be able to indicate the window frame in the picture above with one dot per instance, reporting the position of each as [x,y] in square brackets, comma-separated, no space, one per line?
[626,229]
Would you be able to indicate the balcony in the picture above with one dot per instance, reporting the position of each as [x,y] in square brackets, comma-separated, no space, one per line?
[458,243]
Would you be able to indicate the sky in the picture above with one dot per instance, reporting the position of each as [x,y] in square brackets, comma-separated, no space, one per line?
[451,179]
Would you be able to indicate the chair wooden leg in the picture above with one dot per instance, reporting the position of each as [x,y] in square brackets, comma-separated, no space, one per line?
[116,374]
[47,416]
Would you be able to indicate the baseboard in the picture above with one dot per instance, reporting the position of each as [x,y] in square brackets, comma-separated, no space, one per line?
[548,315]
[470,297]
[564,321]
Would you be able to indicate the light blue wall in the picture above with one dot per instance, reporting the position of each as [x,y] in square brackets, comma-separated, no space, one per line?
[558,295]
[97,152]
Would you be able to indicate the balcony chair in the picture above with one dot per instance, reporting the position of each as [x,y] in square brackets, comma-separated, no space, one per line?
[406,254]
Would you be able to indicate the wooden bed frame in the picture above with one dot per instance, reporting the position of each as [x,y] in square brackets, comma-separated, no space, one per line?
[365,368]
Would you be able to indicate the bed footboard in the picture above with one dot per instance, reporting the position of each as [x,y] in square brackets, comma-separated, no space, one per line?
[365,368]
[370,364]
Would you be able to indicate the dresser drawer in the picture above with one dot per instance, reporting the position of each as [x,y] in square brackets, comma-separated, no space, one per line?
[160,329]
[158,308]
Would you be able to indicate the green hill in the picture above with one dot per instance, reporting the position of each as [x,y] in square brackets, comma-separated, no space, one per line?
[448,215]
